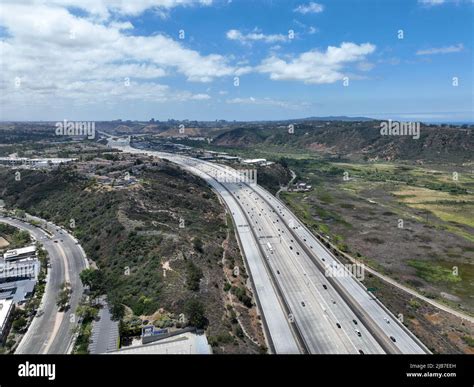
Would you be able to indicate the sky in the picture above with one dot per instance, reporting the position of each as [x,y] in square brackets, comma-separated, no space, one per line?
[94,60]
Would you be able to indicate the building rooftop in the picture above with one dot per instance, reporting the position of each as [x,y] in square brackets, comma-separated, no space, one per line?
[183,344]
[254,161]
[5,309]
[16,291]
[23,268]
[20,251]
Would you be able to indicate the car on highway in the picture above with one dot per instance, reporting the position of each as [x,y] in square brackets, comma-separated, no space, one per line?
[386,320]
[338,325]
[325,287]
[303,304]
[358,332]
[354,321]
[393,339]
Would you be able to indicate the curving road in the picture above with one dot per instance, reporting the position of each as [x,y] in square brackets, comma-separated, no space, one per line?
[52,333]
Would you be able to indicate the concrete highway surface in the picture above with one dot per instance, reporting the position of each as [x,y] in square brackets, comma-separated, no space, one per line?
[51,332]
[310,302]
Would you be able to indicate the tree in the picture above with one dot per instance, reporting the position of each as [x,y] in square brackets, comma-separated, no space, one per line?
[198,245]
[19,324]
[94,279]
[88,313]
[20,213]
[63,299]
[194,310]
[118,310]
[194,275]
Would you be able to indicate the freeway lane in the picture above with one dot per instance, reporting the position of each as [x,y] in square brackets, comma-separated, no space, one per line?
[340,317]
[52,332]
[386,329]
[323,308]
[277,328]
[372,309]
[311,307]
[382,325]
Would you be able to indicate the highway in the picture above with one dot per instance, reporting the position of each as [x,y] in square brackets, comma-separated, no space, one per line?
[277,325]
[326,314]
[51,333]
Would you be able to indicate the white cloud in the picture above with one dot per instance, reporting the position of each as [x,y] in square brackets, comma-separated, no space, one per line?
[365,66]
[442,50]
[200,97]
[431,2]
[255,36]
[266,102]
[309,8]
[315,67]
[104,8]
[50,55]
[434,3]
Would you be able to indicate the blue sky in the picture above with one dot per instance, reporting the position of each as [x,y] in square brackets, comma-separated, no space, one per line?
[99,60]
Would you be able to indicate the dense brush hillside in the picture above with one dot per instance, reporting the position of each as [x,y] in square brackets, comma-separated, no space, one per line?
[359,140]
[168,231]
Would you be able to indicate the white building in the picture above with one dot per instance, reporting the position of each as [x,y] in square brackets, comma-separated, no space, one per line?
[254,161]
[21,253]
[19,269]
[6,309]
[38,163]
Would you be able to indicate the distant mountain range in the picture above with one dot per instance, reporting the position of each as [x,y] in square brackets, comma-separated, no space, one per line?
[335,118]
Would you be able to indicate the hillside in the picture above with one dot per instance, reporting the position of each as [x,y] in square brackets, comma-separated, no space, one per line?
[159,242]
[358,140]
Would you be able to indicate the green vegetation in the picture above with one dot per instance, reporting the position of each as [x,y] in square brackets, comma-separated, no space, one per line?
[19,321]
[194,310]
[431,272]
[87,313]
[198,245]
[414,303]
[94,279]
[194,275]
[149,264]
[64,295]
[241,294]
[227,286]
[15,237]
[469,340]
